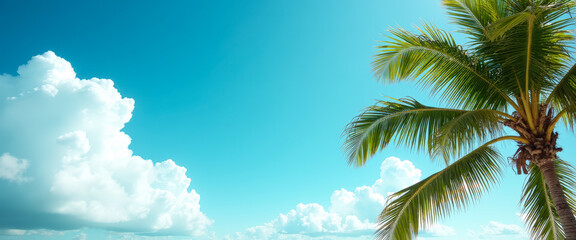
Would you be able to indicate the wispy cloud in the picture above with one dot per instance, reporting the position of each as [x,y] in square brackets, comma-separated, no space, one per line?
[12,168]
[497,230]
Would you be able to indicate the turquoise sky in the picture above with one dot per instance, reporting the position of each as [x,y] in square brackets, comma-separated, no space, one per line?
[250,97]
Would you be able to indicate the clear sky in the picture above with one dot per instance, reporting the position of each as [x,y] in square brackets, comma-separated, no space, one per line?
[224,121]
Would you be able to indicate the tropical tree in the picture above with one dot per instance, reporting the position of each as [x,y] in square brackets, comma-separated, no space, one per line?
[512,82]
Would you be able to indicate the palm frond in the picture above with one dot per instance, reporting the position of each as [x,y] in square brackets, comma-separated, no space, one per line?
[434,58]
[501,26]
[537,206]
[530,45]
[474,16]
[453,188]
[563,96]
[569,117]
[464,132]
[405,121]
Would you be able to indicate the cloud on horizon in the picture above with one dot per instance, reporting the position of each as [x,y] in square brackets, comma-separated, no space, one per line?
[66,164]
[497,230]
[351,215]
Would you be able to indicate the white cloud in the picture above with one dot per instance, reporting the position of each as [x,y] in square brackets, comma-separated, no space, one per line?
[80,236]
[13,232]
[497,230]
[351,215]
[66,163]
[312,218]
[364,202]
[396,174]
[40,232]
[439,230]
[12,168]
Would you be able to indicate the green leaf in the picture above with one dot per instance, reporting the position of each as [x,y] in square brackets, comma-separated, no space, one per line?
[473,16]
[563,96]
[453,188]
[537,207]
[503,25]
[529,45]
[404,121]
[464,132]
[434,58]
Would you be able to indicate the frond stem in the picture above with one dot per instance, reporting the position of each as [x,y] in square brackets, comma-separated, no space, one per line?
[521,100]
[553,123]
[505,115]
[535,111]
[515,138]
[528,51]
[528,112]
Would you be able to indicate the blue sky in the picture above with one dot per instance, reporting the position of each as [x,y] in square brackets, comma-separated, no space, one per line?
[248,97]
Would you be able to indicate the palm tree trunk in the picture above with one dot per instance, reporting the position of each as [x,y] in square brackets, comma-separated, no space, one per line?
[562,208]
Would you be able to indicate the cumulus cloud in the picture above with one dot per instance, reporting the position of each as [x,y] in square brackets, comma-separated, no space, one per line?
[65,162]
[313,218]
[396,174]
[351,214]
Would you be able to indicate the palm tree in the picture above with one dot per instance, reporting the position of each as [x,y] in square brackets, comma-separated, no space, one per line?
[513,82]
